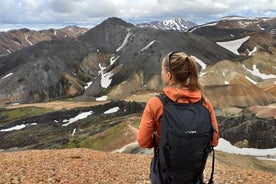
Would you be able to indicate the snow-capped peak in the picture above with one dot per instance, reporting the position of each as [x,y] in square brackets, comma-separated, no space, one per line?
[177,24]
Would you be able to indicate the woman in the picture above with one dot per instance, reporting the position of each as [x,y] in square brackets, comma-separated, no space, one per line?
[180,75]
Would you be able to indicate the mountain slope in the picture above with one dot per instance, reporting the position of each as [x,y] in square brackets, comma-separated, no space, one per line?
[62,68]
[117,58]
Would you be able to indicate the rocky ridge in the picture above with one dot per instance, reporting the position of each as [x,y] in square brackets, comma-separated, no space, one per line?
[14,40]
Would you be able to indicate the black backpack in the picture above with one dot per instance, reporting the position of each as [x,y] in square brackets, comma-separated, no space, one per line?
[186,133]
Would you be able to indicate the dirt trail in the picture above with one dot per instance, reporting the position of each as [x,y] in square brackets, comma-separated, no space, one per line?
[58,105]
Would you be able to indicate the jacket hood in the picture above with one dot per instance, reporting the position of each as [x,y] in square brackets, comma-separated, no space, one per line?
[183,95]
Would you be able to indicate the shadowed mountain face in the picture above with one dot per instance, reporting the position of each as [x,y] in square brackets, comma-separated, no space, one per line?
[117,58]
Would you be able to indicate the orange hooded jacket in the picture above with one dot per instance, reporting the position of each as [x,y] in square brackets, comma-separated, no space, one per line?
[154,109]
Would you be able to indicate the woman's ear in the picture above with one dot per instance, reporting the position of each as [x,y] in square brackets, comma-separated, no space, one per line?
[169,75]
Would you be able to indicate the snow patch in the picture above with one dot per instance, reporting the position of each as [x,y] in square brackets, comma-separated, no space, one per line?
[112,110]
[82,115]
[88,85]
[233,45]
[102,98]
[257,73]
[105,77]
[17,127]
[200,62]
[226,146]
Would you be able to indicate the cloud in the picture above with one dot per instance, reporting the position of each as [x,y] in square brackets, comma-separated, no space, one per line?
[94,11]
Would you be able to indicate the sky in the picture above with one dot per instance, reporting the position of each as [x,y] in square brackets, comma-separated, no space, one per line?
[42,14]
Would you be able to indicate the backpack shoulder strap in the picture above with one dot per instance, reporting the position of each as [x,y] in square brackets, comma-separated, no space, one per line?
[213,166]
[164,99]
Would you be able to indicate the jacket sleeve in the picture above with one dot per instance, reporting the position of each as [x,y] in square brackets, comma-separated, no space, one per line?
[215,139]
[149,122]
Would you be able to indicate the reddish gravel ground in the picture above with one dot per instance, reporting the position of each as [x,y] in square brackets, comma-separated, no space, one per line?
[86,166]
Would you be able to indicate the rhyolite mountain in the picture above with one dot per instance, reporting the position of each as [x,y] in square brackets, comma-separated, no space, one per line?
[14,40]
[117,58]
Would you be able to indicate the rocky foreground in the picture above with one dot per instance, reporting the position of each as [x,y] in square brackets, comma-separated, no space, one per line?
[86,166]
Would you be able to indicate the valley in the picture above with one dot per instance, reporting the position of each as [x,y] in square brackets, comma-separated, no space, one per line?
[76,96]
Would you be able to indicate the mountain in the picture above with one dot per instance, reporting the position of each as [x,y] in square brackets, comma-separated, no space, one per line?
[233,27]
[13,40]
[177,24]
[117,59]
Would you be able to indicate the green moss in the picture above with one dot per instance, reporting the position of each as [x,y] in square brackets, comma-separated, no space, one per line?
[136,124]
[98,141]
[19,113]
[72,143]
[70,99]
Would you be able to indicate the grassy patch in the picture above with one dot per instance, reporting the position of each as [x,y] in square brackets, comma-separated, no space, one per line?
[105,138]
[136,123]
[98,141]
[15,114]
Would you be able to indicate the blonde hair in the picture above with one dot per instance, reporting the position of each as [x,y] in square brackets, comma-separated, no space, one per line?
[184,70]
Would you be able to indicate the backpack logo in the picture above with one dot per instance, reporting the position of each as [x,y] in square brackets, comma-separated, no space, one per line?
[185,136]
[191,132]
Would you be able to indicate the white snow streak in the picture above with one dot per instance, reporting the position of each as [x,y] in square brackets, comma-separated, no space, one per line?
[250,53]
[112,110]
[200,62]
[124,42]
[78,117]
[7,76]
[26,38]
[74,131]
[113,59]
[254,82]
[257,73]
[204,25]
[102,98]
[17,127]
[147,46]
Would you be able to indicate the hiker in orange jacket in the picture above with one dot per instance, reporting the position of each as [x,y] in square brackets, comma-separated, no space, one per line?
[180,75]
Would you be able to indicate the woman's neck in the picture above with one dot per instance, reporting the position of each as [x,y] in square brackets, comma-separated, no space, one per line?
[176,85]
